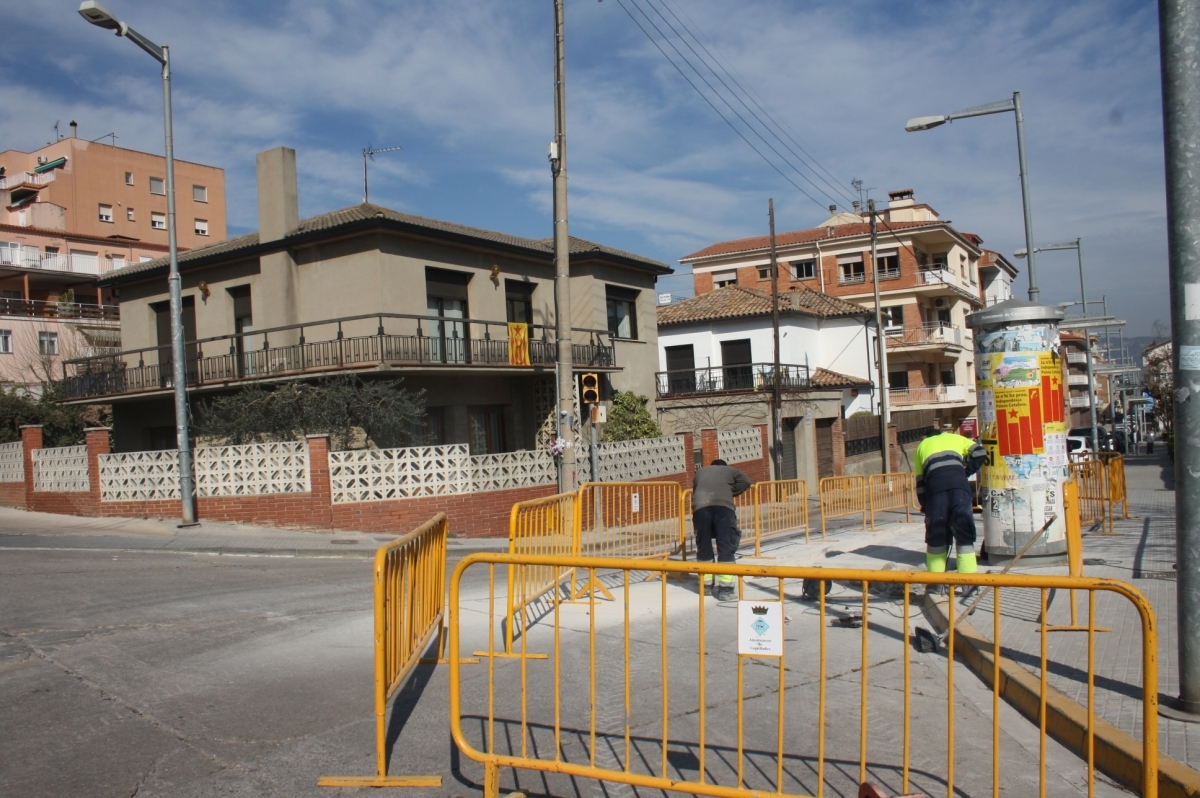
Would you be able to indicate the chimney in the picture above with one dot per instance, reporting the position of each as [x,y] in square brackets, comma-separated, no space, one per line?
[857,205]
[833,210]
[278,201]
[74,129]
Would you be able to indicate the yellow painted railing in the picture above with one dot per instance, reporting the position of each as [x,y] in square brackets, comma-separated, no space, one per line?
[663,706]
[541,526]
[410,596]
[631,520]
[842,496]
[889,492]
[781,508]
[1090,475]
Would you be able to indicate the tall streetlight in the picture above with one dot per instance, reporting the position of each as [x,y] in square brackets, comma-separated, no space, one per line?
[101,17]
[1004,106]
[1077,245]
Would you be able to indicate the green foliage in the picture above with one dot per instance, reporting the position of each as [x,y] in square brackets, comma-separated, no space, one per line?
[339,405]
[62,425]
[628,419]
[859,413]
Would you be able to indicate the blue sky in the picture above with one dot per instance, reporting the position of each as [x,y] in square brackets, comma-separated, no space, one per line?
[465,86]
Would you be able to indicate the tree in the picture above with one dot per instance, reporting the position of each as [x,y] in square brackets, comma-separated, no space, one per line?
[343,406]
[1160,384]
[62,425]
[628,419]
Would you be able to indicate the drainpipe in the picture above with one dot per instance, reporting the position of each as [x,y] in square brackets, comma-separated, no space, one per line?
[820,269]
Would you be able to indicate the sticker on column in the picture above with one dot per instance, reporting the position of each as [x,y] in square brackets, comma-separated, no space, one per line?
[636,502]
[760,628]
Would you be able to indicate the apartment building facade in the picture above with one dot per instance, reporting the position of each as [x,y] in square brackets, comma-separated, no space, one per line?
[370,291]
[70,212]
[929,280]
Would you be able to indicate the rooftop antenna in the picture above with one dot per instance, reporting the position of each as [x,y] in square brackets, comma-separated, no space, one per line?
[863,193]
[57,135]
[369,152]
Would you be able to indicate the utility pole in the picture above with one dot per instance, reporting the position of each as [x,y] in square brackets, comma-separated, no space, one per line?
[777,410]
[1087,341]
[1179,30]
[562,262]
[885,415]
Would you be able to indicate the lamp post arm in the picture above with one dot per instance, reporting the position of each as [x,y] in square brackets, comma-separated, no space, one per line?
[1001,107]
[157,53]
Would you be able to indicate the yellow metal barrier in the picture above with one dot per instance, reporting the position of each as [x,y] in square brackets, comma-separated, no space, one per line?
[1117,491]
[541,526]
[781,508]
[662,706]
[632,520]
[410,595]
[842,496]
[1090,474]
[889,492]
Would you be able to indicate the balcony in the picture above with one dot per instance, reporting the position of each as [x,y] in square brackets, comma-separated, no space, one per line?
[1077,358]
[851,278]
[934,394]
[28,258]
[9,182]
[741,378]
[63,311]
[935,334]
[354,343]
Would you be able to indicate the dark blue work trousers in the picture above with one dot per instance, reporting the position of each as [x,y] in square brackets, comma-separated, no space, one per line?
[720,523]
[948,517]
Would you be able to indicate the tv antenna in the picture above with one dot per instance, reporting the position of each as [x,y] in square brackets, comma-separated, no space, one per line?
[369,152]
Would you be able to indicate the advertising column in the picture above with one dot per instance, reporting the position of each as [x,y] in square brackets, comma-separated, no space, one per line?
[1022,424]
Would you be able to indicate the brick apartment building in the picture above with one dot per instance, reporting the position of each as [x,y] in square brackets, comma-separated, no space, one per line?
[930,277]
[69,213]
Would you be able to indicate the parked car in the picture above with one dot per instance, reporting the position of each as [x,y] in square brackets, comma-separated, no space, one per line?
[1105,444]
[1079,444]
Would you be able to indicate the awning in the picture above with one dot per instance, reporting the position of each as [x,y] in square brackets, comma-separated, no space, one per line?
[46,167]
[24,200]
[102,335]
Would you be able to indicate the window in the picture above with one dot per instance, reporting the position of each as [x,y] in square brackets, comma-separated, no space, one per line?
[940,260]
[722,279]
[47,343]
[106,213]
[6,344]
[893,316]
[429,430]
[897,379]
[129,178]
[8,293]
[764,272]
[804,269]
[622,312]
[486,429]
[157,186]
[851,270]
[962,265]
[887,264]
[202,227]
[144,258]
[158,220]
[518,298]
[446,298]
[948,377]
[129,214]
[200,193]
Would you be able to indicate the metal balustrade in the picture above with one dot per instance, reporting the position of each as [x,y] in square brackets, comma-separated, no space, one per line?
[930,334]
[738,378]
[346,343]
[58,310]
[927,395]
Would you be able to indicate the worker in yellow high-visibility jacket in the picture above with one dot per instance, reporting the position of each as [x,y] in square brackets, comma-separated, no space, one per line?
[942,465]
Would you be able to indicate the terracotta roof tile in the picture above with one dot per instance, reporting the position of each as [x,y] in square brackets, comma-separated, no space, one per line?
[736,301]
[824,378]
[799,237]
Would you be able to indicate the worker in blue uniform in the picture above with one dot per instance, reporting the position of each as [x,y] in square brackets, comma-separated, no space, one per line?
[942,465]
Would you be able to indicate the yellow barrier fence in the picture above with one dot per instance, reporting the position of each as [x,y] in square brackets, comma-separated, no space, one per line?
[631,520]
[410,596]
[1090,475]
[781,509]
[540,526]
[842,496]
[656,703]
[889,492]
[1117,491]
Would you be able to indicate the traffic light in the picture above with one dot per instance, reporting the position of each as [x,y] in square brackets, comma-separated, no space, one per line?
[590,394]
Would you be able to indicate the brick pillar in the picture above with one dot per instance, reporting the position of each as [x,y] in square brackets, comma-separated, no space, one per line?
[318,475]
[98,442]
[709,450]
[893,449]
[838,433]
[768,460]
[689,456]
[31,438]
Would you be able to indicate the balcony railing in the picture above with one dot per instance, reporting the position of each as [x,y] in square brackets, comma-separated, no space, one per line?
[349,343]
[928,395]
[852,278]
[26,179]
[739,378]
[35,308]
[934,334]
[29,258]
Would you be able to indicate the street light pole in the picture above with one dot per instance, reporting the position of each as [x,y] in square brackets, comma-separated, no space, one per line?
[1004,106]
[881,340]
[777,410]
[99,16]
[562,262]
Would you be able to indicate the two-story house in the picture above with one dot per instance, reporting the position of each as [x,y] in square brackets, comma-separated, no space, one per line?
[929,279]
[370,291]
[70,212]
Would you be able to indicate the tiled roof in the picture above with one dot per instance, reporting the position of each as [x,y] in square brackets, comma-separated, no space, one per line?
[736,301]
[824,378]
[802,237]
[365,213]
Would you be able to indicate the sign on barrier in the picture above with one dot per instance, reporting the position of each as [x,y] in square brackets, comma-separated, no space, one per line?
[842,496]
[410,603]
[889,492]
[634,699]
